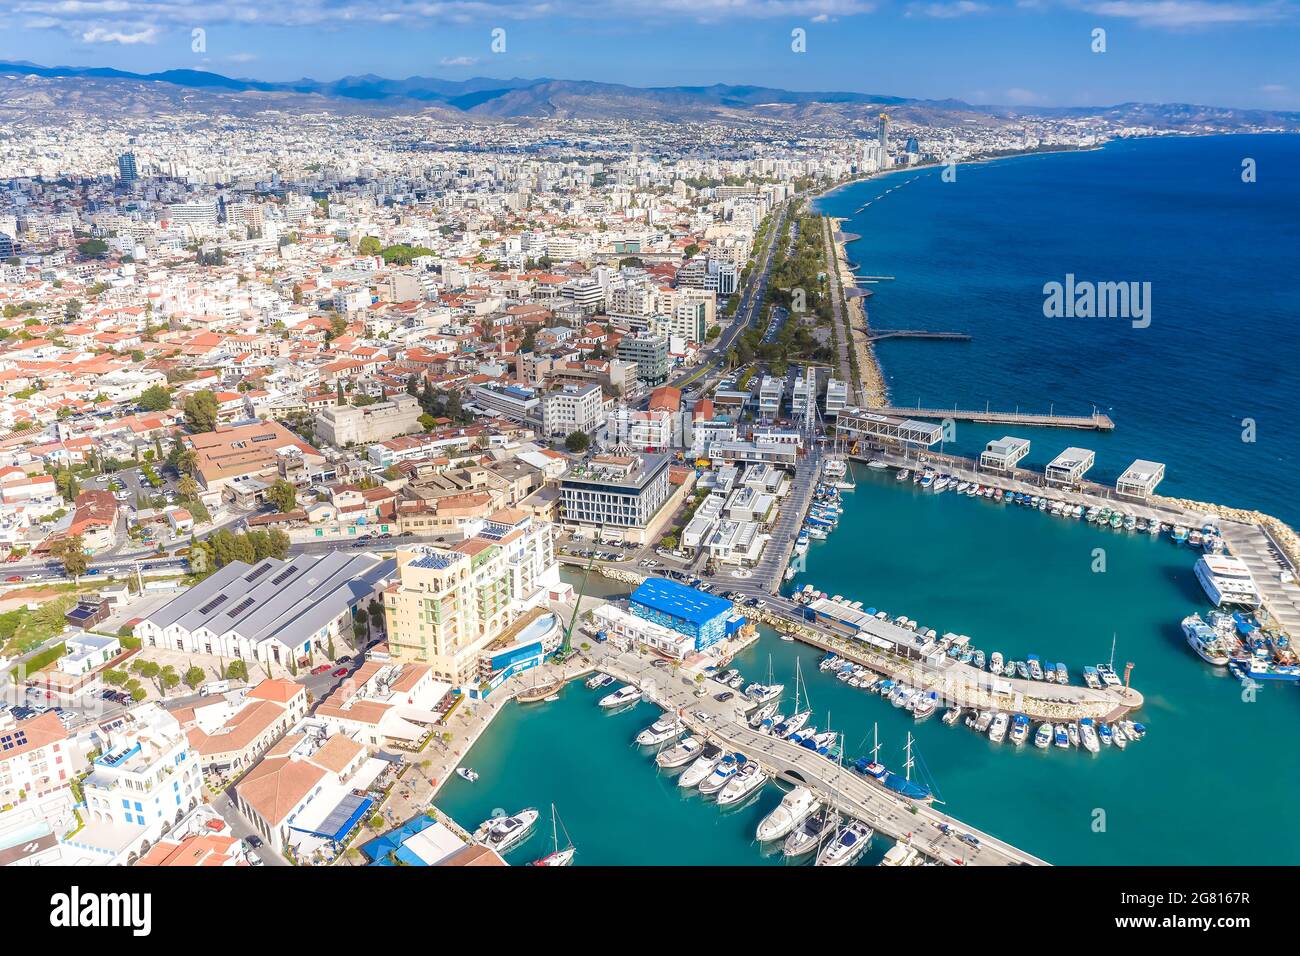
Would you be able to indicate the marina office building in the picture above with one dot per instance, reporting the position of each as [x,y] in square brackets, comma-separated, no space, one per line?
[671,618]
[450,604]
[1004,454]
[615,497]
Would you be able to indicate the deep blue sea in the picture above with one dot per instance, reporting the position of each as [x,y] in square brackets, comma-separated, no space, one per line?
[1223,344]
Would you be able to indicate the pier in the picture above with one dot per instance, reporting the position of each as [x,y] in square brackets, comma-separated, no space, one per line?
[1094,422]
[881,334]
[907,821]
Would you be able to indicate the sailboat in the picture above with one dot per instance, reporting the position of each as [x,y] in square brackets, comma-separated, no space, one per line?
[796,721]
[558,857]
[902,785]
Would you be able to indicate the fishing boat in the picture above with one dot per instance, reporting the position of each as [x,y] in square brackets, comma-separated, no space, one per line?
[681,753]
[1072,731]
[465,773]
[700,769]
[597,681]
[1117,734]
[995,663]
[1043,736]
[847,846]
[1022,670]
[1091,677]
[504,833]
[793,809]
[1088,735]
[1104,735]
[727,767]
[1204,640]
[558,856]
[952,715]
[817,827]
[998,729]
[661,731]
[1062,674]
[903,475]
[1019,732]
[924,706]
[1035,668]
[628,694]
[1060,737]
[747,780]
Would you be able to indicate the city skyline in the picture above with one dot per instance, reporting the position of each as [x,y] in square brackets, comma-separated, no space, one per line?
[1016,54]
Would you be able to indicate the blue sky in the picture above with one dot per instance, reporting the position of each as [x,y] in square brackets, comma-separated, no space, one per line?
[1218,52]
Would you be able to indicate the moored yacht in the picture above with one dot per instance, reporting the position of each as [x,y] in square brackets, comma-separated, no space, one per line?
[847,845]
[682,752]
[998,729]
[762,713]
[728,767]
[748,779]
[597,681]
[700,769]
[662,730]
[1043,736]
[503,833]
[1088,735]
[628,694]
[788,814]
[809,835]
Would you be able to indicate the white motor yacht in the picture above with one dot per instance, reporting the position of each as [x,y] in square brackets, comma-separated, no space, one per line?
[682,752]
[748,779]
[847,846]
[502,833]
[698,771]
[788,814]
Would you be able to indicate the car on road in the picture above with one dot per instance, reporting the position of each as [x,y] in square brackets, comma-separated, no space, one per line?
[970,838]
[13,578]
[254,842]
[345,659]
[321,669]
[725,696]
[341,672]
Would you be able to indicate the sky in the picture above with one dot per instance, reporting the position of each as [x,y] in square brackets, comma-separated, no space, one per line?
[1015,52]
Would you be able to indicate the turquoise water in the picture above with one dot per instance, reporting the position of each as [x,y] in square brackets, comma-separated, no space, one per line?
[1222,257]
[1016,581]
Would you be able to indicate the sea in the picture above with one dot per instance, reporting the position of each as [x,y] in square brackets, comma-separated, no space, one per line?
[1213,780]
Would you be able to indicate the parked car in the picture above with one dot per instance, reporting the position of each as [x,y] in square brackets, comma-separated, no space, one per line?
[14,578]
[341,672]
[725,696]
[321,669]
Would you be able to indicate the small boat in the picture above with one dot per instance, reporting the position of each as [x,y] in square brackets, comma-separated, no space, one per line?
[1117,734]
[998,729]
[682,752]
[792,724]
[788,814]
[628,694]
[902,854]
[504,833]
[809,835]
[1135,731]
[1043,736]
[1091,677]
[661,731]
[1022,670]
[465,773]
[1104,734]
[903,475]
[1062,674]
[597,681]
[748,779]
[551,698]
[559,856]
[1019,729]
[1061,738]
[952,715]
[698,771]
[727,768]
[726,676]
[736,682]
[763,693]
[847,846]
[1072,731]
[995,663]
[1108,675]
[924,706]
[762,713]
[1088,735]
[1035,668]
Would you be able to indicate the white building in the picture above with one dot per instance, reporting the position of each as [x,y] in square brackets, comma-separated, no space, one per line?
[572,408]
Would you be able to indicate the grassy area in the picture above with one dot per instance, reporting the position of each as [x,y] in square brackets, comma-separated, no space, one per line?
[23,629]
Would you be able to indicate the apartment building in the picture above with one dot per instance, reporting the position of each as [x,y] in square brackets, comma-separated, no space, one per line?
[572,408]
[649,352]
[450,603]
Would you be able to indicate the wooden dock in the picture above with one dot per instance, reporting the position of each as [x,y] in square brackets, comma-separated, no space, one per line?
[1094,422]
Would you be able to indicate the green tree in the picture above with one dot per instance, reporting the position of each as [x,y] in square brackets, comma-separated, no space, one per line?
[71,551]
[200,411]
[577,442]
[237,670]
[369,246]
[193,677]
[167,678]
[92,248]
[187,487]
[138,693]
[155,398]
[282,494]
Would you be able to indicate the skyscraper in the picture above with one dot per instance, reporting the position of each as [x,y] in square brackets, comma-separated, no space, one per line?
[126,168]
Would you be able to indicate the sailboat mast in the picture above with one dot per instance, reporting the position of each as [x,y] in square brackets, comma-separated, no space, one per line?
[907,767]
[875,751]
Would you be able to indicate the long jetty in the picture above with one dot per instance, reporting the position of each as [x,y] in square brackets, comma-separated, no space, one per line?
[908,821]
[1095,422]
[879,334]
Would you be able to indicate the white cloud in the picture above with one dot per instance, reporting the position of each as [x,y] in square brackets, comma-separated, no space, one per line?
[1016,96]
[127,37]
[458,61]
[1190,13]
[947,10]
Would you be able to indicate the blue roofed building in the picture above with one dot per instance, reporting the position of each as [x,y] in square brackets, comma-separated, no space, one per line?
[697,614]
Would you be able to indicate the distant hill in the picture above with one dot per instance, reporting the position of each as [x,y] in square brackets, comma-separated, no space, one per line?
[31,86]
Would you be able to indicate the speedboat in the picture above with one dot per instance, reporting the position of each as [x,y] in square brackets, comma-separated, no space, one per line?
[726,676]
[924,706]
[1088,735]
[847,846]
[628,694]
[503,833]
[769,723]
[1091,677]
[736,682]
[761,714]
[762,693]
[1043,736]
[1103,732]
[695,774]
[727,768]
[788,814]
[465,773]
[748,779]
[1135,731]
[1117,734]
[597,681]
[664,729]
[952,715]
[1061,738]
[808,836]
[682,752]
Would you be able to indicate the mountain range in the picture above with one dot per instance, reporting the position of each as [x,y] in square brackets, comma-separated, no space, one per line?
[29,86]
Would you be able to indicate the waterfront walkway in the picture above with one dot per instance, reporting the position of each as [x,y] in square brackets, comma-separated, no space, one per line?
[1096,421]
[888,813]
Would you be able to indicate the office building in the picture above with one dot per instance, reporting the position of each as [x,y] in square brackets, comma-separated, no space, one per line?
[615,496]
[126,169]
[649,352]
[572,408]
